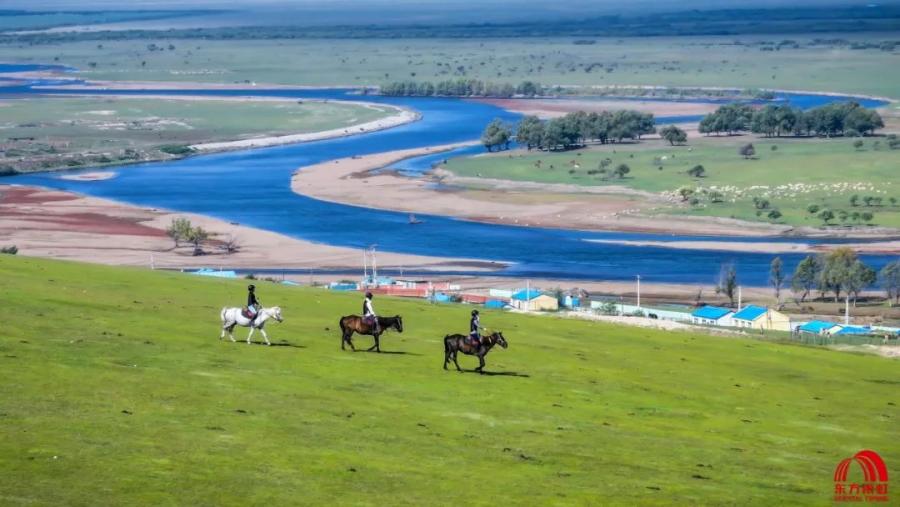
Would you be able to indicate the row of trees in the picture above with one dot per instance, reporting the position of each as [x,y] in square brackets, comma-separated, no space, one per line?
[838,272]
[577,129]
[838,118]
[461,88]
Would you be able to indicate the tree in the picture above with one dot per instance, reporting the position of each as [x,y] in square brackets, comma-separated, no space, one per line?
[774,214]
[9,250]
[776,277]
[747,151]
[806,277]
[858,144]
[621,170]
[812,209]
[854,200]
[867,216]
[230,245]
[826,215]
[698,171]
[890,281]
[673,134]
[496,134]
[727,281]
[838,271]
[196,237]
[179,230]
[530,132]
[859,277]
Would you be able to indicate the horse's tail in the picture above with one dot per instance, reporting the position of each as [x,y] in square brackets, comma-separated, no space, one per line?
[447,344]
[222,315]
[342,325]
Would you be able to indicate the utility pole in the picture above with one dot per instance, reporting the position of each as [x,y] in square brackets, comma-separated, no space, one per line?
[847,310]
[740,298]
[365,271]
[374,266]
[639,292]
[527,295]
[152,263]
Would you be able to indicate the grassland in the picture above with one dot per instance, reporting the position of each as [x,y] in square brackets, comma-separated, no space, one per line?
[117,389]
[791,174]
[52,133]
[733,61]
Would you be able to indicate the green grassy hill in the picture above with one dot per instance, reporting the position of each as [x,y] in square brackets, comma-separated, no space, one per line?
[795,174]
[117,391]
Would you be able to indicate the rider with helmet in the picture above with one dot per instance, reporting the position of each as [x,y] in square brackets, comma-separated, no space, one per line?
[369,312]
[474,329]
[253,304]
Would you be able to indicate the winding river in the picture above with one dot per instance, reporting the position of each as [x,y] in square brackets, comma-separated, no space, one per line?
[252,187]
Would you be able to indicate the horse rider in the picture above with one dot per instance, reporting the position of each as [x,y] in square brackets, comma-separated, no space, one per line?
[253,304]
[475,329]
[369,313]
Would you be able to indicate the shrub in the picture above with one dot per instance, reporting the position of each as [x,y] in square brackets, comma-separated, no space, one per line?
[176,149]
[10,250]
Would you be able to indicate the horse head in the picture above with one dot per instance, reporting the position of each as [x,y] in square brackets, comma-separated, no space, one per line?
[499,339]
[398,323]
[275,312]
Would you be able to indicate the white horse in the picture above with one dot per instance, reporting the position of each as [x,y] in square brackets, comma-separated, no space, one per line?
[234,317]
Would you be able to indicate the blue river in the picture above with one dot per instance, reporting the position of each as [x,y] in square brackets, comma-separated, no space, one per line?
[252,187]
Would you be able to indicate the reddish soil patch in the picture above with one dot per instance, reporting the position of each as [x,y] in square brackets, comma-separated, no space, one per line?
[21,195]
[35,217]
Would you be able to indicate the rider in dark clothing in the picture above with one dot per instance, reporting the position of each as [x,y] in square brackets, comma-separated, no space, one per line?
[253,304]
[474,329]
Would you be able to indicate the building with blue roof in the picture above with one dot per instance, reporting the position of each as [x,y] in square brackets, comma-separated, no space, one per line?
[534,299]
[712,316]
[818,327]
[853,330]
[761,318]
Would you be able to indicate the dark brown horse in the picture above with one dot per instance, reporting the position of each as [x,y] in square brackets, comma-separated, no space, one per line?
[356,324]
[454,343]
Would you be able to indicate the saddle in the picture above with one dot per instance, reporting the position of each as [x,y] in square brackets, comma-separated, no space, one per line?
[369,320]
[246,313]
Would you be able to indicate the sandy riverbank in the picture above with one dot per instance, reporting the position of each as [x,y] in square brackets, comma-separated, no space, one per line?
[354,180]
[554,108]
[63,225]
[402,117]
[882,247]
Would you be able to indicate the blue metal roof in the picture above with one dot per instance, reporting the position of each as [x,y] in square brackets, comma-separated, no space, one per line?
[525,295]
[817,326]
[855,330]
[750,312]
[711,312]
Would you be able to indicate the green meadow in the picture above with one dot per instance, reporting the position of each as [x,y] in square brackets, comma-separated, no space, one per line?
[732,61]
[52,133]
[791,173]
[117,391]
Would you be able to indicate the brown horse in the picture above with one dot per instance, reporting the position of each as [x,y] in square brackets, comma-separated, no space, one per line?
[454,343]
[356,324]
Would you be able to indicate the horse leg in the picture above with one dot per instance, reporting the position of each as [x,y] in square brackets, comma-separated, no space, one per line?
[373,347]
[265,336]
[481,364]
[231,332]
[343,339]
[455,352]
[446,355]
[251,333]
